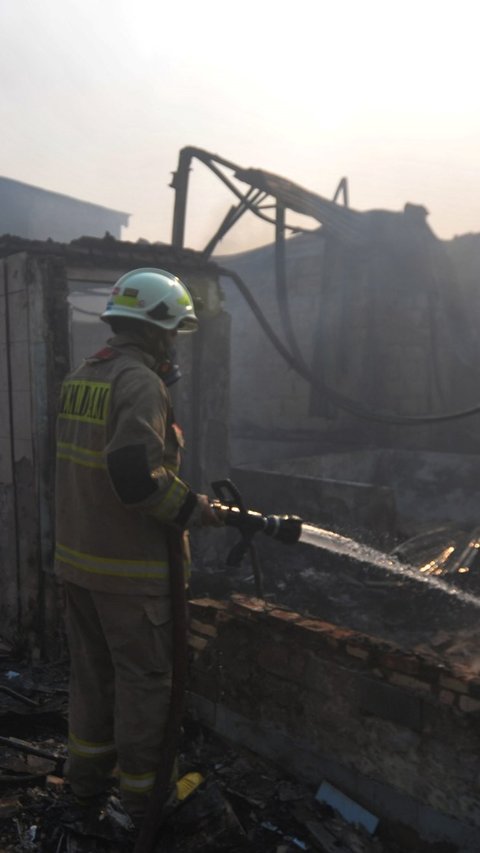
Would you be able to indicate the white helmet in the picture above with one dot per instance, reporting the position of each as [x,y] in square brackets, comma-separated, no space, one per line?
[154,296]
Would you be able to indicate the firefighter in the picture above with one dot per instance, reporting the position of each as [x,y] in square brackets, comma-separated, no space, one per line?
[117,490]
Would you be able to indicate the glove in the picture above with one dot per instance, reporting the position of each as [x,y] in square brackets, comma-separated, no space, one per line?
[208,516]
[204,515]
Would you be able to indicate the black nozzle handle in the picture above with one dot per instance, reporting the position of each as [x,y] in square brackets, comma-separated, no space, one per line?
[227,493]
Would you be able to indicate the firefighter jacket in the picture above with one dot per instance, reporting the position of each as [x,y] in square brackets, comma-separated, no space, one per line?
[117,484]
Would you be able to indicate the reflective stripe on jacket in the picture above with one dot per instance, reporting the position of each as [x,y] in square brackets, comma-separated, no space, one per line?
[117,481]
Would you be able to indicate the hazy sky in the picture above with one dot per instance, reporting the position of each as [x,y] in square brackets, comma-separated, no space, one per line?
[97,98]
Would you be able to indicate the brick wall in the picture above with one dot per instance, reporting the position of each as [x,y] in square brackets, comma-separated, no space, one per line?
[397,731]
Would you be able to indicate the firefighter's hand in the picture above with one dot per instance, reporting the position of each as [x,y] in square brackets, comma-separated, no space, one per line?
[205,515]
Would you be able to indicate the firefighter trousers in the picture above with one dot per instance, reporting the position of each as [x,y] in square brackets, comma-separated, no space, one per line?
[120,683]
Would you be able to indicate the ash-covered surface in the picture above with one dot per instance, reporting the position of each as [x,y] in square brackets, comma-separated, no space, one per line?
[244,804]
[366,591]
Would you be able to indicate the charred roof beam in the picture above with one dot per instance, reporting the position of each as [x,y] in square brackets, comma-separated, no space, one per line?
[262,184]
[252,198]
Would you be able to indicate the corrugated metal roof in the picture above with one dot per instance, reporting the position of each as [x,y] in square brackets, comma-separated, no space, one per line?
[11,182]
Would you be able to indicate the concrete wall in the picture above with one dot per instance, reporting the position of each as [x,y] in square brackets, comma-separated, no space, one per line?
[387,325]
[426,488]
[395,730]
[270,402]
[34,356]
[357,509]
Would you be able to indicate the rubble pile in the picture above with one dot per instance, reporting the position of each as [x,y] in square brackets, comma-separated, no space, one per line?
[243,803]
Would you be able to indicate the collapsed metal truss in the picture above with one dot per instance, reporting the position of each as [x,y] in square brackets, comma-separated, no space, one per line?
[351,227]
[266,192]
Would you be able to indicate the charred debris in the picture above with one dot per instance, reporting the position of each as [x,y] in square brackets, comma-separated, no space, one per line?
[354,360]
[242,803]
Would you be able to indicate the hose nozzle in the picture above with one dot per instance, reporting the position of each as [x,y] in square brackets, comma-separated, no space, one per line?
[230,508]
[285,528]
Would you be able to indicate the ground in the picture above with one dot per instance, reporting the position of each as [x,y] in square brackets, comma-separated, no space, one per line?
[243,805]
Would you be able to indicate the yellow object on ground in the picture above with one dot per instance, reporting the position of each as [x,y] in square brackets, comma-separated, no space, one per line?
[187,784]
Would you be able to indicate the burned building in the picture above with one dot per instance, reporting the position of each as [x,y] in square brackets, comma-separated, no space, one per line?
[356,348]
[350,670]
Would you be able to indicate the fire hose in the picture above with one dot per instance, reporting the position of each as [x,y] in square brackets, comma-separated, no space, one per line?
[230,507]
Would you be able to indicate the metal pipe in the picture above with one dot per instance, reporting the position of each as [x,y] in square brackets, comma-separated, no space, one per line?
[180,180]
[180,185]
